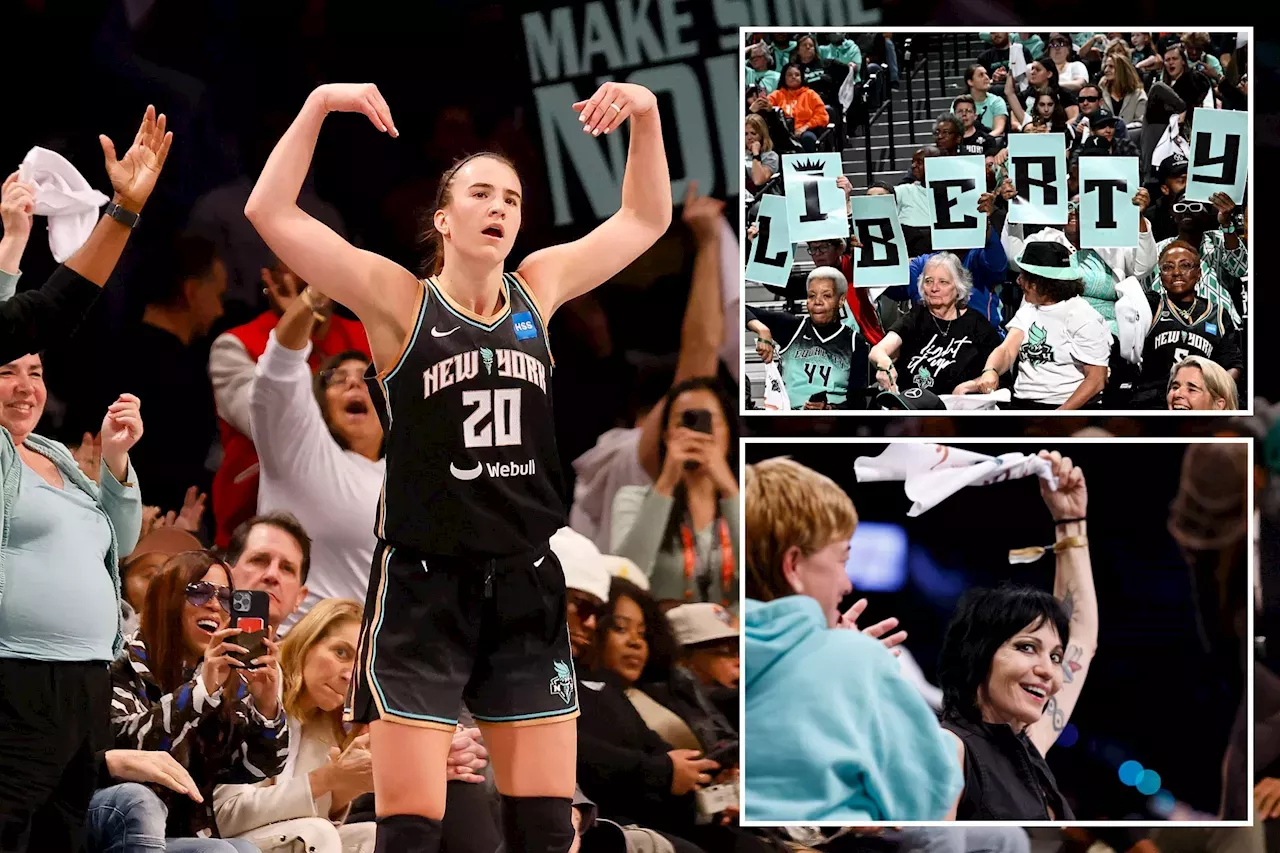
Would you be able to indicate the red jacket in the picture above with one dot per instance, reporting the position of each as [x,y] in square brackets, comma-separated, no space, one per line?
[235,485]
[860,304]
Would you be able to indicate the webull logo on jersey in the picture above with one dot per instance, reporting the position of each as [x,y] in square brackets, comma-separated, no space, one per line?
[496,470]
[509,364]
[524,326]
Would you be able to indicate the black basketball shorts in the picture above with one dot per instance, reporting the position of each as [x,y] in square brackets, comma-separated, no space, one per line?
[438,630]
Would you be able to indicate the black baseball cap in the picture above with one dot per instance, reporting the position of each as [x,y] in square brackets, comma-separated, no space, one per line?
[1174,164]
[1102,117]
[910,399]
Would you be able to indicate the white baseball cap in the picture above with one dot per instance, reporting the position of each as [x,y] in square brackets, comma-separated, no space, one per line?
[701,622]
[584,566]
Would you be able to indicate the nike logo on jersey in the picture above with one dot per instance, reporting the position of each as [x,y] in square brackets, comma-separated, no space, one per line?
[538,562]
[436,333]
[466,473]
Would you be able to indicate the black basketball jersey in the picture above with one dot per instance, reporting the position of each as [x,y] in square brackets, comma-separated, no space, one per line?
[472,467]
[1175,334]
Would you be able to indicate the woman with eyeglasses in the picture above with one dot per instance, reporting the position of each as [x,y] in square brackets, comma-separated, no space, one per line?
[1183,324]
[59,605]
[178,689]
[320,451]
[1072,73]
[1214,229]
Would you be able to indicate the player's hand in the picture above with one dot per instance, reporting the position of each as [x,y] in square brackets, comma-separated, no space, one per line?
[612,104]
[357,98]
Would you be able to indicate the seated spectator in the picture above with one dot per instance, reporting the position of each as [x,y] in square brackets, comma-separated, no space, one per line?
[762,161]
[948,130]
[1143,53]
[34,320]
[975,139]
[180,690]
[679,531]
[1122,91]
[1048,116]
[990,110]
[630,770]
[586,586]
[1072,73]
[1224,257]
[782,45]
[823,76]
[996,57]
[823,361]
[886,757]
[844,50]
[320,448]
[1172,177]
[1099,134]
[231,361]
[162,358]
[1199,384]
[138,569]
[940,343]
[802,105]
[914,211]
[1191,85]
[858,310]
[708,667]
[1059,342]
[58,628]
[1042,79]
[1183,323]
[1090,101]
[327,766]
[1200,56]
[758,71]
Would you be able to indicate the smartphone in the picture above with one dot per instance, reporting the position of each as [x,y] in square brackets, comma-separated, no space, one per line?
[725,754]
[820,397]
[249,611]
[698,420]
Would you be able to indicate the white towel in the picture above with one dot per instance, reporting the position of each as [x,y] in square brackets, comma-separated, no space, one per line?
[1017,64]
[1133,319]
[970,402]
[934,472]
[775,390]
[65,197]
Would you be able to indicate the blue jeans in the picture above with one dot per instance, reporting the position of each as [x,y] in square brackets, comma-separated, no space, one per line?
[129,818]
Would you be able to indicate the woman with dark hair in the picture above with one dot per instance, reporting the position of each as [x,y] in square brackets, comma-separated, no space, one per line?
[992,112]
[637,759]
[179,690]
[1058,340]
[1072,73]
[802,105]
[1042,77]
[681,531]
[320,451]
[1013,663]
[462,570]
[823,76]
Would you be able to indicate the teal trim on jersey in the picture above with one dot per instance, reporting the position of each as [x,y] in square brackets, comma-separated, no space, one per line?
[413,339]
[533,305]
[803,384]
[566,712]
[506,310]
[373,655]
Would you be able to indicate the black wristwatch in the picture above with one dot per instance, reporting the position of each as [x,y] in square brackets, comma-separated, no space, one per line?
[119,214]
[755,156]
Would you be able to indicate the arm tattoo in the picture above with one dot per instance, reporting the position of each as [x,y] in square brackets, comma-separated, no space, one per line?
[1071,664]
[1068,604]
[1056,715]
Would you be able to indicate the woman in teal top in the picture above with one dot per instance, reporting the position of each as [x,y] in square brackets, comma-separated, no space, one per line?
[60,541]
[682,531]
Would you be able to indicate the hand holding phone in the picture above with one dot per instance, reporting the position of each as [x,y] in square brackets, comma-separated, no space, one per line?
[250,609]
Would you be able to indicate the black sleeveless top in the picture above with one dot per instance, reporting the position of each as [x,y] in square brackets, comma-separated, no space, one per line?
[1005,777]
[472,468]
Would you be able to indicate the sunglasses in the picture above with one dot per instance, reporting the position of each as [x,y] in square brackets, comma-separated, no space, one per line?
[199,593]
[1087,99]
[1073,206]
[585,607]
[1058,43]
[1190,207]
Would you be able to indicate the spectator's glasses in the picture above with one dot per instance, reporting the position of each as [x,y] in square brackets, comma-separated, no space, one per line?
[199,593]
[1181,266]
[943,131]
[586,607]
[1087,99]
[340,376]
[1190,207]
[1059,43]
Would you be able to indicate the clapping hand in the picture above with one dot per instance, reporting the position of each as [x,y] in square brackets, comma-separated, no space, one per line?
[879,631]
[134,175]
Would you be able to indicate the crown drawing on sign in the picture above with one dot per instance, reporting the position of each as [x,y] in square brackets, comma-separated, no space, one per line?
[808,166]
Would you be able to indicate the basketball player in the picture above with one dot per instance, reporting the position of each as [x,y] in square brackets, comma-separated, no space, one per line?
[1183,324]
[466,600]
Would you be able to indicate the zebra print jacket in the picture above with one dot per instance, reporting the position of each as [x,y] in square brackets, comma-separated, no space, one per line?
[219,739]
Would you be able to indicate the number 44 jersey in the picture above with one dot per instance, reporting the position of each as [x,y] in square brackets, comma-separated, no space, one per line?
[472,467]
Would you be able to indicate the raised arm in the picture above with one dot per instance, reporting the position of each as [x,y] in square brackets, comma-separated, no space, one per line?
[1073,586]
[559,273]
[382,293]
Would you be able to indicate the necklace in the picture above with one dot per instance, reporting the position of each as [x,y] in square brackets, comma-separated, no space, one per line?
[944,332]
[1184,315]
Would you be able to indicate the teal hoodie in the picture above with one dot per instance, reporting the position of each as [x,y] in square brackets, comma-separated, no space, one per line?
[833,732]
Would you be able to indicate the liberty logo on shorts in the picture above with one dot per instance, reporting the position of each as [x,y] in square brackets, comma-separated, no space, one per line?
[524,326]
[562,684]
